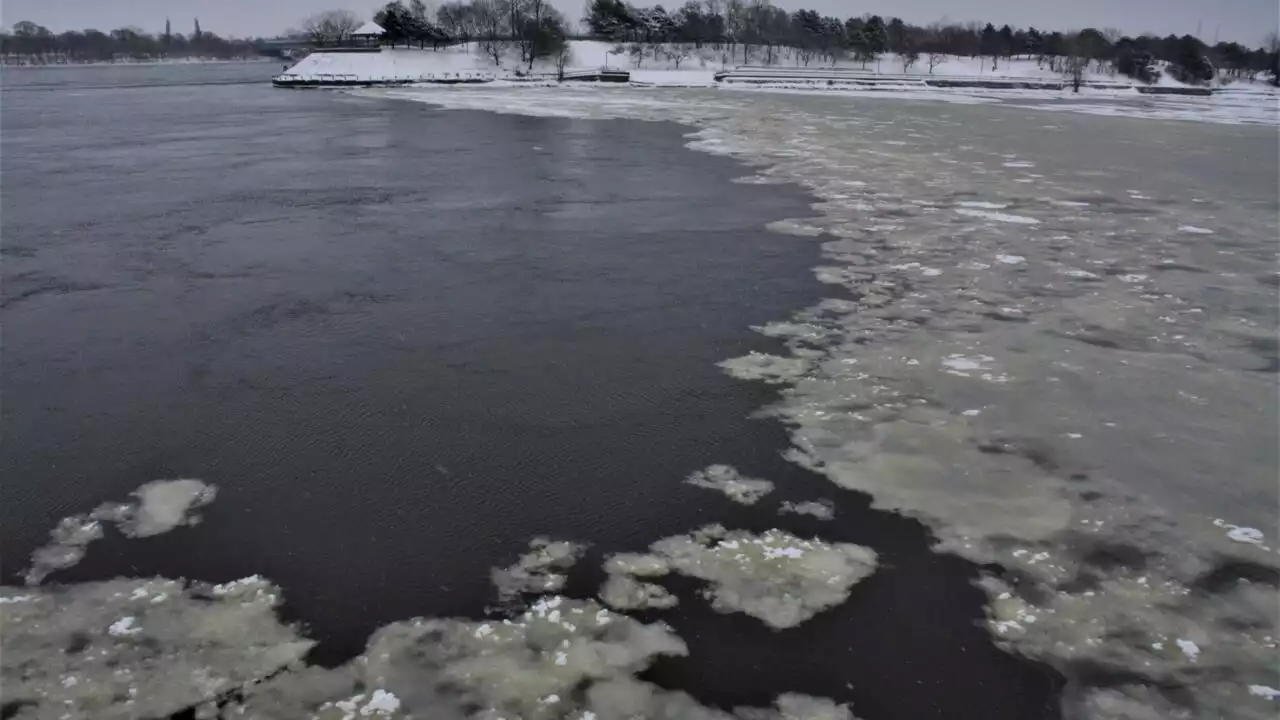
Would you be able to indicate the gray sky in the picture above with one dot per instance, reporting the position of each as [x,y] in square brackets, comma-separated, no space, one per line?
[1246,21]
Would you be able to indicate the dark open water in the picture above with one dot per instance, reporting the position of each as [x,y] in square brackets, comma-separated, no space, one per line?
[402,342]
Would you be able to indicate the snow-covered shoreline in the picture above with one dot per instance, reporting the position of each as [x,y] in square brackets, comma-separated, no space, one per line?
[960,80]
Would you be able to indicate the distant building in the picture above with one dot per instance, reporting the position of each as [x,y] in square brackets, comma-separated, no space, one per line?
[368,35]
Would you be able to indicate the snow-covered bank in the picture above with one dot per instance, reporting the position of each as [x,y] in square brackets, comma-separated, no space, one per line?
[1242,103]
[684,65]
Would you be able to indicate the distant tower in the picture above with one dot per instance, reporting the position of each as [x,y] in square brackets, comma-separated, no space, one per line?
[197,32]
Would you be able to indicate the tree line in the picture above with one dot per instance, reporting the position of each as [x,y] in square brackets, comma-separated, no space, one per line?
[29,42]
[756,30]
[533,28]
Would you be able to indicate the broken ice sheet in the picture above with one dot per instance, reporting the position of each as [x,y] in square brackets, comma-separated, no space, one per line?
[725,479]
[822,509]
[137,648]
[161,506]
[623,592]
[563,658]
[541,570]
[765,367]
[775,576]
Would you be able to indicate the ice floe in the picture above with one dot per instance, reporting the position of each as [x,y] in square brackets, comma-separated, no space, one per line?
[541,570]
[725,479]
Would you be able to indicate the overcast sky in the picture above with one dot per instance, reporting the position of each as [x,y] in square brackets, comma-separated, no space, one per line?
[1246,21]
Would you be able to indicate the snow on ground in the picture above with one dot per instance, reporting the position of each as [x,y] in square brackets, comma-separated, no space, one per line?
[656,66]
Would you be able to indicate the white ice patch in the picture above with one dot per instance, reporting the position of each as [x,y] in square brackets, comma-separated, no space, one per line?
[1190,649]
[124,627]
[1264,691]
[1011,259]
[998,217]
[1193,230]
[166,504]
[1252,536]
[1019,164]
[982,205]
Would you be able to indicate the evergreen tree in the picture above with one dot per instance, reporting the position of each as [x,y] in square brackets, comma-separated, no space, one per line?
[1006,41]
[876,35]
[897,31]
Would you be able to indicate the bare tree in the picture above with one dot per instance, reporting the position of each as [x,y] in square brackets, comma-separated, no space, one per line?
[532,25]
[936,59]
[677,53]
[563,57]
[910,56]
[331,26]
[489,18]
[1074,67]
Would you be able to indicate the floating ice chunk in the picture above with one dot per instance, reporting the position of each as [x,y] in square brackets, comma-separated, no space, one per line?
[161,506]
[1264,691]
[1252,536]
[539,570]
[1133,278]
[1190,649]
[767,368]
[962,364]
[930,272]
[622,592]
[1082,274]
[1011,259]
[776,577]
[166,504]
[971,413]
[1193,230]
[236,588]
[381,703]
[981,205]
[725,479]
[793,706]
[998,217]
[820,509]
[1069,203]
[1019,164]
[794,227]
[124,627]
[636,564]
